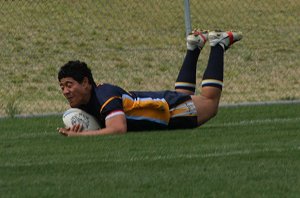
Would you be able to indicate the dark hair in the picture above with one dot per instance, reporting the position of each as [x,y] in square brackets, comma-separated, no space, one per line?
[76,70]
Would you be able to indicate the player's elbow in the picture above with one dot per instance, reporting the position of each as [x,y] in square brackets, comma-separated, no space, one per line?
[121,129]
[117,124]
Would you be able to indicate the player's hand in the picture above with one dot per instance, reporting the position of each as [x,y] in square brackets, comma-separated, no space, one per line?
[75,130]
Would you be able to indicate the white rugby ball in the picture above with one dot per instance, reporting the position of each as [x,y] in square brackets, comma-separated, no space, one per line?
[77,116]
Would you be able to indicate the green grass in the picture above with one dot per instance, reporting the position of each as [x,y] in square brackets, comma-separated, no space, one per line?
[243,152]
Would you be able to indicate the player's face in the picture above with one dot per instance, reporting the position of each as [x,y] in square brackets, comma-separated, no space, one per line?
[76,93]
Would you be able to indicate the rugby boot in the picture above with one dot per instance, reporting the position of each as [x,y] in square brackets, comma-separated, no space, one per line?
[225,39]
[196,39]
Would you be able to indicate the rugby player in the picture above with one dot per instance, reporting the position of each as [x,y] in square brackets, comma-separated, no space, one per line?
[119,111]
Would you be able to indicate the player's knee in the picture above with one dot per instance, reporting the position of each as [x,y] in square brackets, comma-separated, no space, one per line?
[206,108]
[205,116]
[214,111]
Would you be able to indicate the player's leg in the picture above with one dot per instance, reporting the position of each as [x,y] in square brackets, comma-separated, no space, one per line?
[186,80]
[212,82]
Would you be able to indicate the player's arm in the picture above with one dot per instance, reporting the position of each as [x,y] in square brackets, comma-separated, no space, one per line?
[114,125]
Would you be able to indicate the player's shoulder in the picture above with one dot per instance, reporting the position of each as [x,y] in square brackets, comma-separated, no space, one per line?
[106,86]
[103,85]
[108,90]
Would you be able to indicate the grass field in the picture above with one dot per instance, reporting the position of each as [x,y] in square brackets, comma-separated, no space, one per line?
[245,151]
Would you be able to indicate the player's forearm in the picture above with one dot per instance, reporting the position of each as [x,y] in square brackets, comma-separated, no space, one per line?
[104,131]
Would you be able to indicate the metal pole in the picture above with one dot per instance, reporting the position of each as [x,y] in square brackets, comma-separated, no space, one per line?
[187,17]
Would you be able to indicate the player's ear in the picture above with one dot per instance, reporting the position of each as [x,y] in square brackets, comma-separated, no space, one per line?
[85,82]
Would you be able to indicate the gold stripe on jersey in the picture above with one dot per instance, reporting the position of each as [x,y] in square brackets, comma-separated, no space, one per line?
[151,109]
[108,101]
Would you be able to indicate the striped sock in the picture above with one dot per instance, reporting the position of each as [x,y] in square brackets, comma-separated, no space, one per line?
[214,72]
[187,76]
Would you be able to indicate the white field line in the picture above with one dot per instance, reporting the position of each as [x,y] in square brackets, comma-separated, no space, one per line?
[210,155]
[149,158]
[261,103]
[256,122]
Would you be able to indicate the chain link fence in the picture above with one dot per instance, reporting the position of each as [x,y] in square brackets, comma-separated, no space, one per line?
[140,45]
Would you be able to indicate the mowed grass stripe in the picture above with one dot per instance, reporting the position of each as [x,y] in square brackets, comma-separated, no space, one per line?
[258,122]
[173,156]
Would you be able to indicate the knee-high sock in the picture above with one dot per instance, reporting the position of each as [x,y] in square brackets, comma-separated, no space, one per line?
[214,72]
[187,76]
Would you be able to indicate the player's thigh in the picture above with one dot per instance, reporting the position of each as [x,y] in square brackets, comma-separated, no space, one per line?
[206,108]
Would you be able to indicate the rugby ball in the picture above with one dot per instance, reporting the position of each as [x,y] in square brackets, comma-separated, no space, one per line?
[77,116]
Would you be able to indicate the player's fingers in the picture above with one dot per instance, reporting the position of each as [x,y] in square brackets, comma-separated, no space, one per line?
[73,128]
[80,128]
[63,129]
[76,128]
[63,132]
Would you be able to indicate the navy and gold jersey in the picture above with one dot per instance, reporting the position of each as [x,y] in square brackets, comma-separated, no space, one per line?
[143,110]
